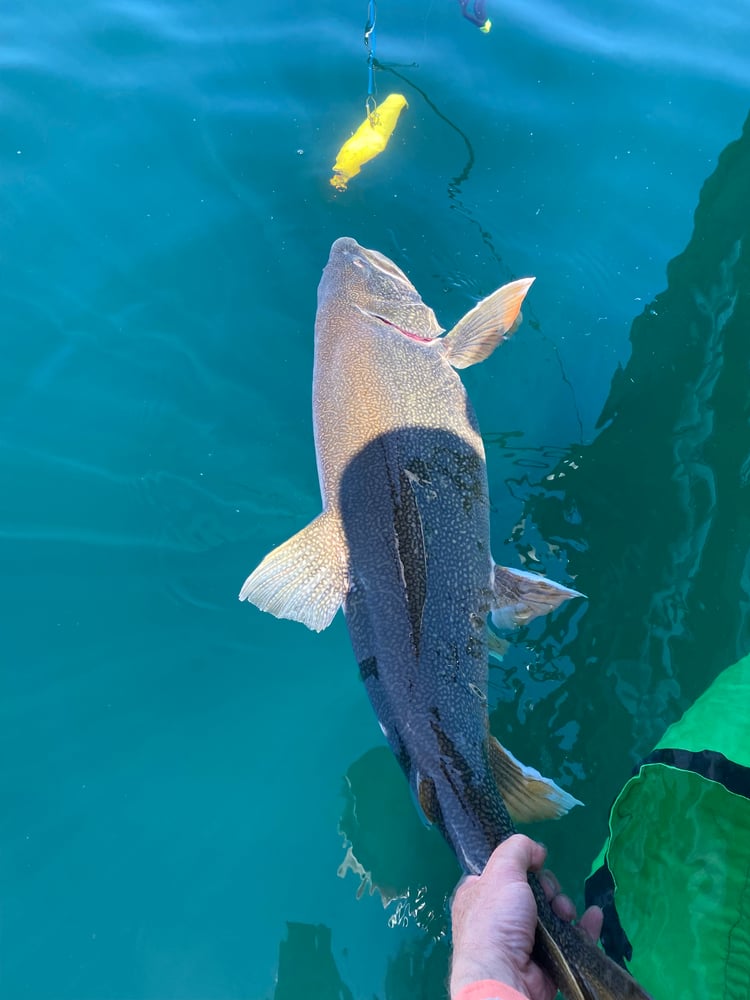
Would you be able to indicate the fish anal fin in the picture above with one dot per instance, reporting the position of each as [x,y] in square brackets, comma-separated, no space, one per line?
[428,800]
[305,578]
[491,321]
[528,795]
[520,596]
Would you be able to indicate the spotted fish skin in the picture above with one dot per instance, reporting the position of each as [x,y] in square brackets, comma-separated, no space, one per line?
[416,613]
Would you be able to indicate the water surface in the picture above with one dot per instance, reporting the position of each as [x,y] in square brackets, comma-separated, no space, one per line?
[183,775]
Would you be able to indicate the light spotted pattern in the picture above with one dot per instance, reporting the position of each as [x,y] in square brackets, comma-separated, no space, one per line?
[403,544]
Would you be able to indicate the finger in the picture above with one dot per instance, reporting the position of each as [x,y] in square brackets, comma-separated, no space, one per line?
[518,854]
[591,922]
[539,856]
[563,906]
[550,884]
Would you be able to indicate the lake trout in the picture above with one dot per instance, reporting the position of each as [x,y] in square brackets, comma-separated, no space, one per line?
[403,545]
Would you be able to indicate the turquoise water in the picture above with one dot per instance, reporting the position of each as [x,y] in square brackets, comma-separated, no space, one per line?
[181,773]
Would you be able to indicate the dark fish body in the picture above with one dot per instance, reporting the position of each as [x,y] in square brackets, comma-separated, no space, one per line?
[416,612]
[403,544]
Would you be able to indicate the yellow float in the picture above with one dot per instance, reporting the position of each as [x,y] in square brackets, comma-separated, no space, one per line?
[368,141]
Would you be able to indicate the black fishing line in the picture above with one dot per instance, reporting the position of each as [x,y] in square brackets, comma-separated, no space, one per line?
[454,193]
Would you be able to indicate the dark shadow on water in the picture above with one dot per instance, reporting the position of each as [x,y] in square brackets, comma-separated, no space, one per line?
[654,515]
[419,971]
[390,849]
[307,967]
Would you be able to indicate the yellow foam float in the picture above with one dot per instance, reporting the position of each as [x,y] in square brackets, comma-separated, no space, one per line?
[368,141]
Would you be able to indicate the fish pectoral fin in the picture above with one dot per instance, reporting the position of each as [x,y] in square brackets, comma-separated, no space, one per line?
[491,321]
[528,795]
[305,578]
[520,596]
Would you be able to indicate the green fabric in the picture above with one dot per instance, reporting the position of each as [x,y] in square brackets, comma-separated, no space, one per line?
[720,719]
[679,854]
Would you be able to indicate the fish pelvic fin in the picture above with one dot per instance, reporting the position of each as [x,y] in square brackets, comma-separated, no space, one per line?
[428,799]
[528,795]
[520,596]
[491,321]
[496,647]
[306,578]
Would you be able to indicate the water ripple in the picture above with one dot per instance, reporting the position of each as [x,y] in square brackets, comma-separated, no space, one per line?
[674,35]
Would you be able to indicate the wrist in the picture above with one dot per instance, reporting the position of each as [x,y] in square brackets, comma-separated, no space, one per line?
[464,972]
[488,989]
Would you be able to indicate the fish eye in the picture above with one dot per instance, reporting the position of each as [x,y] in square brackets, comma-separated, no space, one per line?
[358,262]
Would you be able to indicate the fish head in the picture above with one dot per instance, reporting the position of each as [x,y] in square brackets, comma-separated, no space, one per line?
[374,285]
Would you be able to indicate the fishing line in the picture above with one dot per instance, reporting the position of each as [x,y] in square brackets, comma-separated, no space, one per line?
[455,184]
[370,42]
[454,193]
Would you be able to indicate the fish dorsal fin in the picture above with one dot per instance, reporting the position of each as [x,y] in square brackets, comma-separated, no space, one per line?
[520,596]
[528,795]
[491,321]
[306,578]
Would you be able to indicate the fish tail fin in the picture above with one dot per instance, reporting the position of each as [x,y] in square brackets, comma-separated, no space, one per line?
[494,319]
[305,578]
[528,795]
[574,963]
[520,596]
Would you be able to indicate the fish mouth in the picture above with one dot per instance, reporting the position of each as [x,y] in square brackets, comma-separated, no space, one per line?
[407,333]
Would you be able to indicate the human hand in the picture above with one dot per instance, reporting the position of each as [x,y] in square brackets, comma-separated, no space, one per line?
[494,919]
